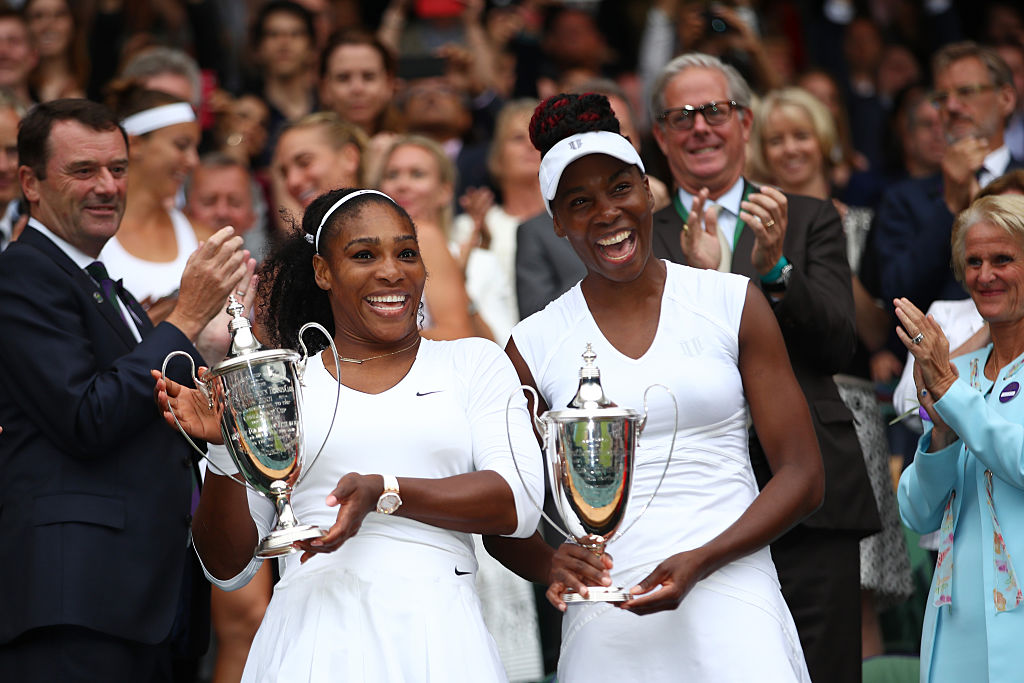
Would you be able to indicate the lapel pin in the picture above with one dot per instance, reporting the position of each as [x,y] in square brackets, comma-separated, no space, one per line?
[1009,392]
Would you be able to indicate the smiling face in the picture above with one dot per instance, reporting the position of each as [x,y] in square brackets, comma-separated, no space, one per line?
[356,85]
[704,156]
[374,276]
[604,206]
[51,26]
[994,272]
[82,197]
[310,165]
[220,196]
[791,148]
[411,176]
[162,160]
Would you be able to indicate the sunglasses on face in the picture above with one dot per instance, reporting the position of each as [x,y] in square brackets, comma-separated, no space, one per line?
[940,98]
[684,118]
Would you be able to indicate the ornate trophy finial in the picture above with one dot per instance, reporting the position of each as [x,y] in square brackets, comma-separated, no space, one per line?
[242,339]
[590,394]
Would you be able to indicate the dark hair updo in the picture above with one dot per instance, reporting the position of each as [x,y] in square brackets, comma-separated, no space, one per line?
[287,294]
[561,116]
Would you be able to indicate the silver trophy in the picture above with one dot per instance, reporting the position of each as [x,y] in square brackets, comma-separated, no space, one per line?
[589,448]
[256,393]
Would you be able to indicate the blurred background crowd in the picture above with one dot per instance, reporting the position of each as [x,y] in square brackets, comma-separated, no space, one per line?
[430,100]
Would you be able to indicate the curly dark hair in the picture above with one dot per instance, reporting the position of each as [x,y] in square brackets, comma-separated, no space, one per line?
[287,292]
[560,116]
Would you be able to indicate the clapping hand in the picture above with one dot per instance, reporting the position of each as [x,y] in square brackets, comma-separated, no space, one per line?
[699,238]
[766,213]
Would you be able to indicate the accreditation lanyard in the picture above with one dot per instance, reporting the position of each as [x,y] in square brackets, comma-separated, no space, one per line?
[685,214]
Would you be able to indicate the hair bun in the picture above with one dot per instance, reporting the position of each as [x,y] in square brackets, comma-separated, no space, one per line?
[562,115]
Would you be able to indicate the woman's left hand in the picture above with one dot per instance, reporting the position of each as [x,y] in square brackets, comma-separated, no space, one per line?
[354,496]
[676,576]
[766,213]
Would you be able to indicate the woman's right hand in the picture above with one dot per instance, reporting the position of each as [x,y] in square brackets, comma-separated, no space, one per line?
[574,567]
[925,340]
[190,406]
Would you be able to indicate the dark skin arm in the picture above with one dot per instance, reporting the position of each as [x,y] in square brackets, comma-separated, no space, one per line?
[530,557]
[222,529]
[794,491]
[475,502]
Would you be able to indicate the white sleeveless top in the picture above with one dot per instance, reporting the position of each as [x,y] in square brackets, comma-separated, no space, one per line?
[695,353]
[733,625]
[151,278]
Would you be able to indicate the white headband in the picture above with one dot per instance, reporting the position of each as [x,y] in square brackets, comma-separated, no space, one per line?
[315,241]
[569,149]
[158,117]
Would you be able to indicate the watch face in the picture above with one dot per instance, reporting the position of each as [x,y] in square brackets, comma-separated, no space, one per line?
[388,502]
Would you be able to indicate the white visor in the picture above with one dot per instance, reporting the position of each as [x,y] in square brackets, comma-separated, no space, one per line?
[572,148]
[158,117]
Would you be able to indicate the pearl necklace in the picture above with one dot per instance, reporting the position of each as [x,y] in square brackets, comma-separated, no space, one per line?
[359,361]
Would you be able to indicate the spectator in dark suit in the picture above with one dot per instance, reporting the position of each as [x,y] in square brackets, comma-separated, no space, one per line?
[96,494]
[794,248]
[975,97]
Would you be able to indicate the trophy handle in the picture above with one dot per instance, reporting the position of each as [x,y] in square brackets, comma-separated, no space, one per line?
[300,370]
[200,384]
[542,429]
[668,460]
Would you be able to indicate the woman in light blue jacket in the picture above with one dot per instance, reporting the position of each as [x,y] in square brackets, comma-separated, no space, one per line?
[967,478]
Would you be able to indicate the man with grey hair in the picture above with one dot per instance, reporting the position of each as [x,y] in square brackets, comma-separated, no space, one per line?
[975,97]
[167,70]
[794,248]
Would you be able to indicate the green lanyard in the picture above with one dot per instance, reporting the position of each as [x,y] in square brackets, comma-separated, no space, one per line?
[685,214]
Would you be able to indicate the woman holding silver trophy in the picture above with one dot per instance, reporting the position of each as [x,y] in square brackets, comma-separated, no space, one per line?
[387,594]
[696,564]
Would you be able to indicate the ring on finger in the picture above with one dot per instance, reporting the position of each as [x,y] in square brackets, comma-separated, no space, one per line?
[769,223]
[918,338]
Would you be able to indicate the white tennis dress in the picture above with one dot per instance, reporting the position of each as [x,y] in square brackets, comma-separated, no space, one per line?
[152,279]
[734,625]
[397,601]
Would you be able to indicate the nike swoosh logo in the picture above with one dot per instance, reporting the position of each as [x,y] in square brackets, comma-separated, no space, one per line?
[427,393]
[458,573]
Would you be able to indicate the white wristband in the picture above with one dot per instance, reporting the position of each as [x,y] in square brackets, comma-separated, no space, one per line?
[221,461]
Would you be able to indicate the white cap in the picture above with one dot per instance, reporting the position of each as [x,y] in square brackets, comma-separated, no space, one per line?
[569,149]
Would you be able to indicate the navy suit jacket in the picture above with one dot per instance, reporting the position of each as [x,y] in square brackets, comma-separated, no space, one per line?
[817,322]
[95,489]
[911,242]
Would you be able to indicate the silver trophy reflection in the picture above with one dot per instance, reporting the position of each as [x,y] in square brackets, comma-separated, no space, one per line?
[590,448]
[256,393]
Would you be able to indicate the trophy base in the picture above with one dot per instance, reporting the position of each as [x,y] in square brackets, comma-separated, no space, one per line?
[278,543]
[598,594]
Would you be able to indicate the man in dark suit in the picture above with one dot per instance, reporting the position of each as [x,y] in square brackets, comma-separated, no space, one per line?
[95,491]
[975,96]
[794,248]
[546,265]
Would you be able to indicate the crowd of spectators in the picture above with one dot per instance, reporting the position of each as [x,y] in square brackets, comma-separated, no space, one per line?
[916,106]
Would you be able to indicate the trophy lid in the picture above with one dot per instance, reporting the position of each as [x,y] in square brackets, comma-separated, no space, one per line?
[590,394]
[245,348]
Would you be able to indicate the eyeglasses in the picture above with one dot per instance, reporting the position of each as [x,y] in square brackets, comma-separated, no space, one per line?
[940,98]
[714,113]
